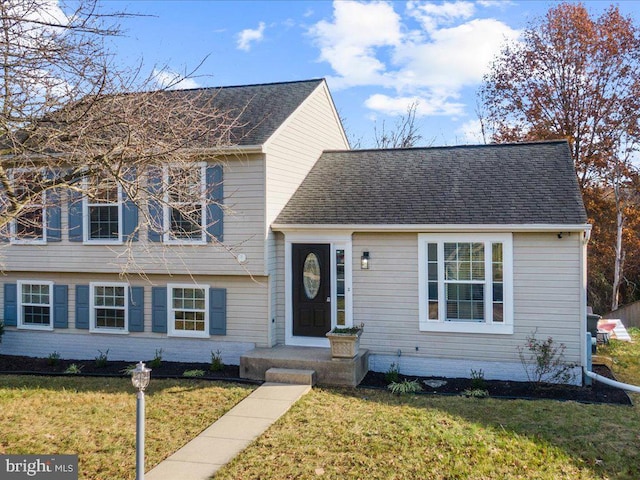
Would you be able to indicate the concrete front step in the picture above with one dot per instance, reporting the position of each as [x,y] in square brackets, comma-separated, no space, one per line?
[329,371]
[295,376]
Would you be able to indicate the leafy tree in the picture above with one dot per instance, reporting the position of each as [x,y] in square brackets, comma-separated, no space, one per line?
[73,123]
[577,77]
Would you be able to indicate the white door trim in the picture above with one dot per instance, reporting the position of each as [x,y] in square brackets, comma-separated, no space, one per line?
[338,241]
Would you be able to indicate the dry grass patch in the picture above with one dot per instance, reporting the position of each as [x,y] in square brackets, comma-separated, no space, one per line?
[359,434]
[96,417]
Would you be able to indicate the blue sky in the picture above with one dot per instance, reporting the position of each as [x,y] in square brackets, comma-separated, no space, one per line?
[378,57]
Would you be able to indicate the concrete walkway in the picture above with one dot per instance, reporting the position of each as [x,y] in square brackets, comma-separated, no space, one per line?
[204,455]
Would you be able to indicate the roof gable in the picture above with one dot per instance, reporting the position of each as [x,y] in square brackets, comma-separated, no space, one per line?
[260,108]
[529,183]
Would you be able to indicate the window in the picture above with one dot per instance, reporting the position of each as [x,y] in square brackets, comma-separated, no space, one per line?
[35,305]
[29,226]
[103,211]
[109,307]
[185,203]
[188,310]
[340,289]
[466,283]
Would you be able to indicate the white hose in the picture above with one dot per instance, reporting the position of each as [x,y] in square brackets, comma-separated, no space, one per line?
[613,383]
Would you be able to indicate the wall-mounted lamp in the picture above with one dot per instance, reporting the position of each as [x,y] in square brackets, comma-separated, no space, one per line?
[364,261]
[560,235]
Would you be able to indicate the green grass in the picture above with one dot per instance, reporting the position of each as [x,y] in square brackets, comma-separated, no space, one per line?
[376,435]
[361,434]
[96,418]
[333,433]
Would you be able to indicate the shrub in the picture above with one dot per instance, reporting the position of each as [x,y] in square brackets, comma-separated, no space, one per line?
[404,387]
[216,361]
[193,373]
[393,374]
[477,380]
[157,359]
[476,393]
[128,370]
[73,369]
[101,359]
[543,361]
[53,358]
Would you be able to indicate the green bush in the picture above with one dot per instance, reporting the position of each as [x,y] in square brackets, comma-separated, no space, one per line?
[216,361]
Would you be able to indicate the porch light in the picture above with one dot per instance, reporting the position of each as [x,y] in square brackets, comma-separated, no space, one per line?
[364,261]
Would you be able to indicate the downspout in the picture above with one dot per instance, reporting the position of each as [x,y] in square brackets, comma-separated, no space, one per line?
[612,383]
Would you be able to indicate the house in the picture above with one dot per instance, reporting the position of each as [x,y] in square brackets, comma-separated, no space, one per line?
[468,251]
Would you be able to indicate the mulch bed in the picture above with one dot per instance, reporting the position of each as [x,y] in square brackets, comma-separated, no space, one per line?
[15,364]
[597,393]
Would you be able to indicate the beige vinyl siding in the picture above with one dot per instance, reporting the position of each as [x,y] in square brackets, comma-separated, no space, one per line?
[296,146]
[243,233]
[246,301]
[546,297]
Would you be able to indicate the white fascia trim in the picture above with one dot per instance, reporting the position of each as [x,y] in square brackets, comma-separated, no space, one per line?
[449,228]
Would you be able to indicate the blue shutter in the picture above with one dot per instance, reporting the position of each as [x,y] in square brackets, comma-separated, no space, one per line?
[136,309]
[215,198]
[60,306]
[156,213]
[54,220]
[82,306]
[129,212]
[159,309]
[75,216]
[11,304]
[217,311]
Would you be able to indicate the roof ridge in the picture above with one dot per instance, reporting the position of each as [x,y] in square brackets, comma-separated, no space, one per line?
[224,87]
[445,147]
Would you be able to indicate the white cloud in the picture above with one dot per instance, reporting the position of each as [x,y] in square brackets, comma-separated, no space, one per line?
[426,105]
[172,80]
[349,43]
[470,132]
[370,44]
[248,36]
[432,15]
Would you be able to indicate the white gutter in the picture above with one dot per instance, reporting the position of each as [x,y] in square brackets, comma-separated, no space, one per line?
[612,383]
[559,228]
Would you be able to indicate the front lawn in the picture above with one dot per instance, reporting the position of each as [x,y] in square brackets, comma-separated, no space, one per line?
[96,419]
[360,434]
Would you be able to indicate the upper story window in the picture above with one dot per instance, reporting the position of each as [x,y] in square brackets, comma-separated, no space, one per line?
[185,203]
[103,211]
[35,305]
[466,283]
[30,224]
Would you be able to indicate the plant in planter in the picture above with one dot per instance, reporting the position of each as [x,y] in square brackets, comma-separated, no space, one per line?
[345,341]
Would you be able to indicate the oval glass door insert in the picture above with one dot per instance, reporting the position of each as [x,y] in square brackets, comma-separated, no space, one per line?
[311,276]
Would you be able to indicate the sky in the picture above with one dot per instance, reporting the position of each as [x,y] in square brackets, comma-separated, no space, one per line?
[378,57]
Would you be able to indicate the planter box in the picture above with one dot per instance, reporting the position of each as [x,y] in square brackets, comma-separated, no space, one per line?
[344,345]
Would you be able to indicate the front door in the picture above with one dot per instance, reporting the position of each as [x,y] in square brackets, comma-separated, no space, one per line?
[311,289]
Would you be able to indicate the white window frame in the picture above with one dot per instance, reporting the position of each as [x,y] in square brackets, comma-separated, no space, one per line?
[504,327]
[86,218]
[171,330]
[92,308]
[21,322]
[167,206]
[14,239]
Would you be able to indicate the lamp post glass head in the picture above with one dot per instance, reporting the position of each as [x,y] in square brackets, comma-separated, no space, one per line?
[140,376]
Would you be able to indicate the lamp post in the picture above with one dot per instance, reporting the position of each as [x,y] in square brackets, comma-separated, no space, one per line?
[140,377]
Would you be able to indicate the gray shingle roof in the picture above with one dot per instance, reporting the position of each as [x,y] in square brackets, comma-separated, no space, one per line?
[529,183]
[266,106]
